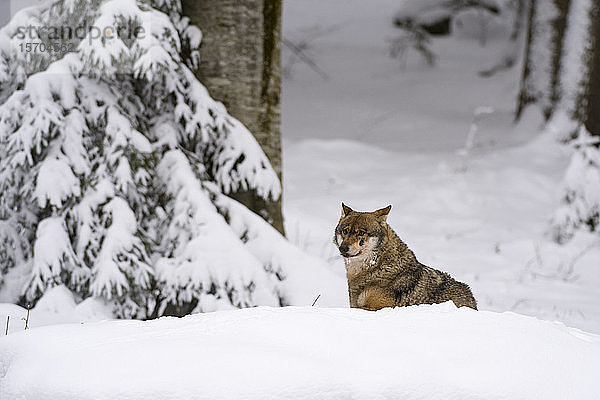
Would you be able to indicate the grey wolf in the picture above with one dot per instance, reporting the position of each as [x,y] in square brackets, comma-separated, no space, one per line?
[383,272]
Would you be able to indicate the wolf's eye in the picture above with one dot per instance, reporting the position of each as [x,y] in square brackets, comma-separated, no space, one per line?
[345,231]
[361,233]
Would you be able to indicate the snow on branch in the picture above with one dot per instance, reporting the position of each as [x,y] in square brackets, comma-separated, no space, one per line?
[86,130]
[236,160]
[203,255]
[55,182]
[580,206]
[301,276]
[53,256]
[122,256]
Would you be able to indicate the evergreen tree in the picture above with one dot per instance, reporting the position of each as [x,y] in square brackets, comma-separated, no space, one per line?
[114,157]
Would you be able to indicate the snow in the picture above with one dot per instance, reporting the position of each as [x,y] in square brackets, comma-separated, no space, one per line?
[306,278]
[241,164]
[52,250]
[305,353]
[120,255]
[55,182]
[203,253]
[580,205]
[72,145]
[194,35]
[57,306]
[375,134]
[370,98]
[119,130]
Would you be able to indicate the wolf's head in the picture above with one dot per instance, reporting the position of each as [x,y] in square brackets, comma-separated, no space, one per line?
[360,233]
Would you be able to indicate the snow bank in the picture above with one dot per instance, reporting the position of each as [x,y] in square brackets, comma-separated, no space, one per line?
[305,353]
[56,306]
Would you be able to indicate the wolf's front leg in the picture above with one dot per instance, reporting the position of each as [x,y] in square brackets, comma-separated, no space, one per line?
[375,298]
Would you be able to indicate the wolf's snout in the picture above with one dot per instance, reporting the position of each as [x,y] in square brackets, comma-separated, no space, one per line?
[347,252]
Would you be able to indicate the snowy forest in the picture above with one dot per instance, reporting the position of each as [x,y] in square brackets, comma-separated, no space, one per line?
[189,158]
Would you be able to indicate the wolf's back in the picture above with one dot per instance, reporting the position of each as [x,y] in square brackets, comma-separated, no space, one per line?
[429,285]
[441,287]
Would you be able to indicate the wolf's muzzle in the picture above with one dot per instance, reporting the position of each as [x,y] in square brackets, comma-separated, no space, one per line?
[345,251]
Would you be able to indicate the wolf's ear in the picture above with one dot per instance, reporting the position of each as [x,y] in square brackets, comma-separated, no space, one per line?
[346,210]
[383,212]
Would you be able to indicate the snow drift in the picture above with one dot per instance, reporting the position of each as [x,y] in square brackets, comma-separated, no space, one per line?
[417,352]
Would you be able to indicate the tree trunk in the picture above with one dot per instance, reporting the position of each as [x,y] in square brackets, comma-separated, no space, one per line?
[559,28]
[540,51]
[591,102]
[240,64]
[526,93]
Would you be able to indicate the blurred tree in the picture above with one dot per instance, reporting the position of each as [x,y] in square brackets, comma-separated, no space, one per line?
[512,53]
[561,76]
[558,66]
[541,44]
[591,93]
[580,208]
[559,26]
[240,64]
[419,20]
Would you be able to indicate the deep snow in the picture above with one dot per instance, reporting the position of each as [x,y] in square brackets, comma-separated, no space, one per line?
[305,353]
[374,134]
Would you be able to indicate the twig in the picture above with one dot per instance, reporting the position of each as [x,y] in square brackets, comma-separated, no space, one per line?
[570,272]
[506,63]
[518,303]
[302,56]
[7,322]
[299,50]
[510,58]
[27,318]
[315,302]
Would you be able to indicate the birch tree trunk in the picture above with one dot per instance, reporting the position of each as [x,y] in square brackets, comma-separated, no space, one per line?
[240,64]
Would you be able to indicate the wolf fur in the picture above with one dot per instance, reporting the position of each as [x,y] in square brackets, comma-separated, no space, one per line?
[383,272]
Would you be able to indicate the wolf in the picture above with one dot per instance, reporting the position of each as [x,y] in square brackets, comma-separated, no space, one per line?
[383,272]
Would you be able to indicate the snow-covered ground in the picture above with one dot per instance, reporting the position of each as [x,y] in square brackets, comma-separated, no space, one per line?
[422,352]
[58,306]
[373,133]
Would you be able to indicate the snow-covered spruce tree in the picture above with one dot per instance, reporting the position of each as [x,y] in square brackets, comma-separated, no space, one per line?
[581,187]
[113,156]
